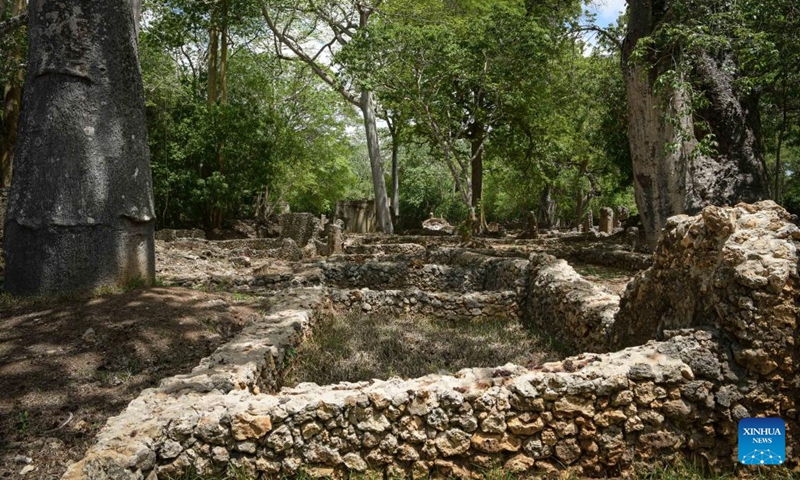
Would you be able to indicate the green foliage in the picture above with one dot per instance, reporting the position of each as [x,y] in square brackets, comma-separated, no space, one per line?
[504,77]
[277,128]
[14,47]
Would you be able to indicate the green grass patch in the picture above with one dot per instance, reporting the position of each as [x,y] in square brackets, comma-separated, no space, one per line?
[356,346]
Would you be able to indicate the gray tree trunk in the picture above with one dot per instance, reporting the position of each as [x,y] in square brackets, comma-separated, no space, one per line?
[670,174]
[81,205]
[379,183]
[395,179]
[547,208]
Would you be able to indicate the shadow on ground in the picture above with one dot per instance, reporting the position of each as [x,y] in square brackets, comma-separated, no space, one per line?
[68,365]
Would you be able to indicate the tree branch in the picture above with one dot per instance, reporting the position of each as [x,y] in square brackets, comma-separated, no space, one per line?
[326,76]
[603,33]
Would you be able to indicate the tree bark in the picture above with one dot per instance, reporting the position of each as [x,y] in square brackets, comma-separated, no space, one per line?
[213,54]
[394,133]
[223,58]
[137,15]
[547,208]
[778,151]
[671,176]
[376,163]
[476,148]
[395,179]
[81,204]
[12,97]
[476,172]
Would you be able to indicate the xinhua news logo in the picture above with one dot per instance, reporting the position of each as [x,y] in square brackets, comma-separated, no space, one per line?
[762,441]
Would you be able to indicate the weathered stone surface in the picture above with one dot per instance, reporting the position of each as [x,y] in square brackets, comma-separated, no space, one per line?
[357,216]
[563,303]
[453,442]
[726,268]
[354,462]
[302,228]
[334,239]
[249,427]
[606,220]
[495,442]
[437,226]
[588,222]
[519,463]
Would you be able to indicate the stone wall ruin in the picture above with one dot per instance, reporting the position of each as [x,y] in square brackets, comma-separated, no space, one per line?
[676,391]
[358,215]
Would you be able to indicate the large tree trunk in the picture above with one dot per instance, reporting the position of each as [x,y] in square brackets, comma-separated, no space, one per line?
[378,182]
[547,208]
[671,176]
[81,204]
[12,96]
[476,149]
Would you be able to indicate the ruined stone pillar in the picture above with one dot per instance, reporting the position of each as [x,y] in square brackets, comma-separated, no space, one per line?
[588,222]
[606,220]
[335,239]
[533,226]
[621,216]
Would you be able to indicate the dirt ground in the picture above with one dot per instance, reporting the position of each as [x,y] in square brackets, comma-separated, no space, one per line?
[612,279]
[68,365]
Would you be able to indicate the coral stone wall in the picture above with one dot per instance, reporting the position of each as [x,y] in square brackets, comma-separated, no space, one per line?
[593,415]
[722,299]
[734,272]
[566,305]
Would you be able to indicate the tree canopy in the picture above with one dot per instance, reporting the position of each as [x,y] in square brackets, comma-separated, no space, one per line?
[497,107]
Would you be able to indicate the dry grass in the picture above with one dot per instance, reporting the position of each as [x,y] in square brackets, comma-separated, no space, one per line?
[356,346]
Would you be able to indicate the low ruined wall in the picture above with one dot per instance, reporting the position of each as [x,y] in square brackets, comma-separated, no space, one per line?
[443,305]
[300,227]
[594,415]
[610,258]
[406,249]
[727,268]
[446,270]
[735,272]
[564,304]
[171,235]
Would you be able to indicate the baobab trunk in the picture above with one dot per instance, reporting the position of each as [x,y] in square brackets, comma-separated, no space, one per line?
[671,176]
[81,206]
[373,146]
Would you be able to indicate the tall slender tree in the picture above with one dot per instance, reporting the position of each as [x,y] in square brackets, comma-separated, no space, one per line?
[81,206]
[301,23]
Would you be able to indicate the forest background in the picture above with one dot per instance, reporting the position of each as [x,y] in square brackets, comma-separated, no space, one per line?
[505,106]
